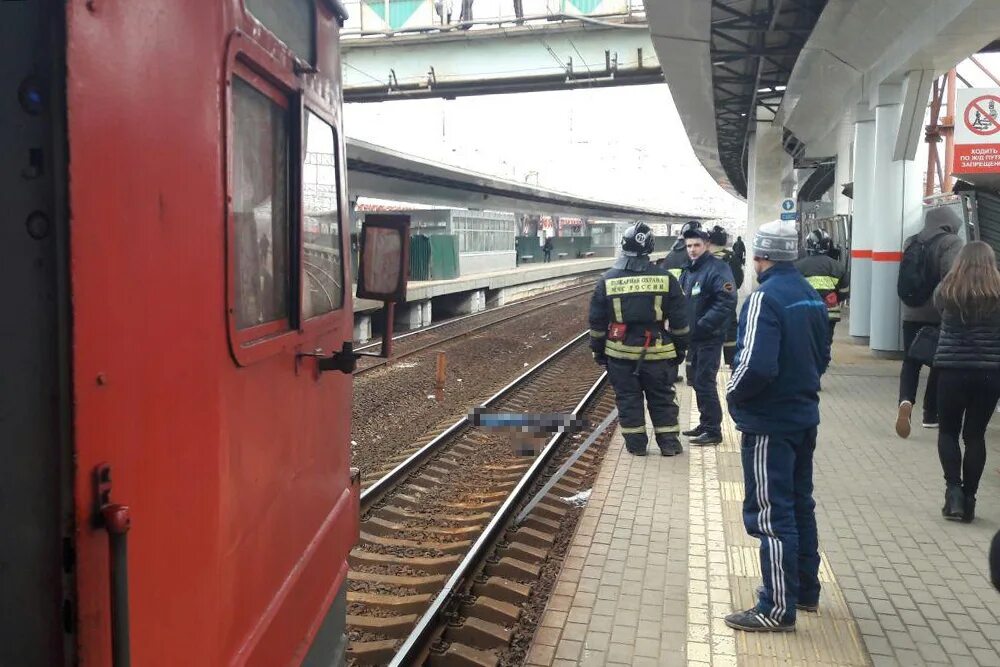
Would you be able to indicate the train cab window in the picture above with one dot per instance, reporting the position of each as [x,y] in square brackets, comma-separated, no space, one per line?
[291,21]
[322,269]
[260,207]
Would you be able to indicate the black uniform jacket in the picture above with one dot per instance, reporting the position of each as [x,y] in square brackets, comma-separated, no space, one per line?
[635,298]
[711,293]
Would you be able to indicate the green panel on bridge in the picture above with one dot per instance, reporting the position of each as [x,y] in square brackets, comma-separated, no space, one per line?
[586,6]
[400,11]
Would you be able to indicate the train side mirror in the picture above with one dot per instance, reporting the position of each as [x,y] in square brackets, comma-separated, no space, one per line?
[383,266]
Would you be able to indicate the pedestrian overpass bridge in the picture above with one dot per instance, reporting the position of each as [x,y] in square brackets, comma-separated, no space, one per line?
[402,49]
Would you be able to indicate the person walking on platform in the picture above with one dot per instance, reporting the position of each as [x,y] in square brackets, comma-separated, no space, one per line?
[639,331]
[717,239]
[711,293]
[547,249]
[740,252]
[826,275]
[782,352]
[927,258]
[968,365]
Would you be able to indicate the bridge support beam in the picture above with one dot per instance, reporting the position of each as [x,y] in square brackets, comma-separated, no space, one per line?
[561,56]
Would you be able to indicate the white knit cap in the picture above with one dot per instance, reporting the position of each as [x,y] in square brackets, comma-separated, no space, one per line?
[777,241]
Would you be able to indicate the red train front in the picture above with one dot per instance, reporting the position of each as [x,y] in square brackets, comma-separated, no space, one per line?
[174,255]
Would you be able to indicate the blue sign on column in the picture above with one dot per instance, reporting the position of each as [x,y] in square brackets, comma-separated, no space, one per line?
[788,211]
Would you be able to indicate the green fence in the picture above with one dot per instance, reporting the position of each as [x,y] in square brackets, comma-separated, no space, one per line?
[433,257]
[444,257]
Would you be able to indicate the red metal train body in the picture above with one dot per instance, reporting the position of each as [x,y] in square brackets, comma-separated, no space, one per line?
[173,253]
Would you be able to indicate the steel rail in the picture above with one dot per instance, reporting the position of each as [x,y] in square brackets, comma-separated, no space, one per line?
[467,332]
[370,495]
[454,320]
[415,643]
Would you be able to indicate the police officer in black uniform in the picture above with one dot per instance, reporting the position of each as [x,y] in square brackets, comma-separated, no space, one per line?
[674,262]
[825,274]
[711,292]
[717,238]
[638,330]
[677,258]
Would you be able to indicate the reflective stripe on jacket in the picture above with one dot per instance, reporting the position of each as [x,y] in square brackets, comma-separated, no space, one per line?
[646,299]
[829,278]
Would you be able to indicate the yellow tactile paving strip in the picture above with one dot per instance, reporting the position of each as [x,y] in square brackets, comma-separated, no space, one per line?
[656,564]
[829,637]
[709,640]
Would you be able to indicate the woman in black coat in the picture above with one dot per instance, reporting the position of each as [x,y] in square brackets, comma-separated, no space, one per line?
[968,365]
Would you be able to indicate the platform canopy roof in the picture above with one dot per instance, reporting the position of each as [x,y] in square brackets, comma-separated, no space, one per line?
[811,66]
[747,49]
[375,171]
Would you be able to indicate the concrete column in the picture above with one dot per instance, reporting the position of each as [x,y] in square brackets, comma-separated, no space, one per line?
[845,165]
[461,303]
[895,210]
[362,328]
[768,182]
[413,315]
[862,234]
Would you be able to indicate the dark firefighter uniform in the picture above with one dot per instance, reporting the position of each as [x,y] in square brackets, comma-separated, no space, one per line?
[711,293]
[718,237]
[826,275]
[629,314]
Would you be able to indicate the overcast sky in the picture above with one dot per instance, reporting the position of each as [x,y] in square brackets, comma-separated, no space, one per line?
[616,144]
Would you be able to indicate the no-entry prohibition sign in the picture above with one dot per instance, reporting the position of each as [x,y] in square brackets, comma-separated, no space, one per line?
[981,115]
[977,135]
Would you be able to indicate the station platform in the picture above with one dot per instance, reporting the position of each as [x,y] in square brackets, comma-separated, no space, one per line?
[422,290]
[660,555]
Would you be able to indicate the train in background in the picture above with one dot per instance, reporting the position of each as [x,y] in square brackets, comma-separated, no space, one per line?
[177,334]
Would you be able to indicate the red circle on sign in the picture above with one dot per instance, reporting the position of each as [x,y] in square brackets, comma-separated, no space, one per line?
[978,118]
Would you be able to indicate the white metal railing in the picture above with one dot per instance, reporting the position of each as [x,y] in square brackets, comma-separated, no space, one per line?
[369,17]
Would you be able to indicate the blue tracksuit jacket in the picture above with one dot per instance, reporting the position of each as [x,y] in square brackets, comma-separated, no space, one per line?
[782,350]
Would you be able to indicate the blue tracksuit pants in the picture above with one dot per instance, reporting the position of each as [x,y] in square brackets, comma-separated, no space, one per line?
[705,359]
[779,510]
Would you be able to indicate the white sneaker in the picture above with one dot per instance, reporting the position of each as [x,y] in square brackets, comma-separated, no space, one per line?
[903,419]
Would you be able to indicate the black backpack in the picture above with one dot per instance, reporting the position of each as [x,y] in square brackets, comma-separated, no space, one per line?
[918,272]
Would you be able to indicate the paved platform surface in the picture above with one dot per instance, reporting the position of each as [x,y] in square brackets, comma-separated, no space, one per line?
[660,556]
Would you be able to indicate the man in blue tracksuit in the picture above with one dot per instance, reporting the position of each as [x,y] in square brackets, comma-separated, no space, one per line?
[711,293]
[782,350]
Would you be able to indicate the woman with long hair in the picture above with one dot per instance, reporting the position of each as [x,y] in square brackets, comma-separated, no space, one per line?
[968,365]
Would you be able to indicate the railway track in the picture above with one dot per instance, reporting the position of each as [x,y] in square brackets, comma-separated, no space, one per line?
[414,342]
[440,571]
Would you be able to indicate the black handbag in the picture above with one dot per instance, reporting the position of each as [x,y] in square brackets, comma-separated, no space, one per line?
[924,345]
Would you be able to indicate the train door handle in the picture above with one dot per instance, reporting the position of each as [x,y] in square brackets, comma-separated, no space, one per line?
[116,519]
